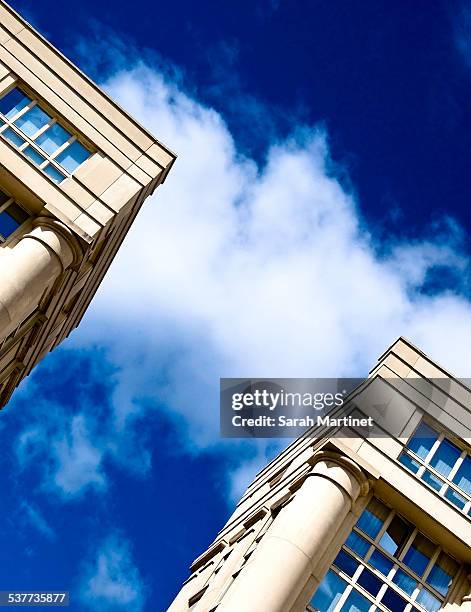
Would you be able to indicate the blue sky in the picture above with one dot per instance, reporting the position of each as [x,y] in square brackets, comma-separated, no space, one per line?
[318,209]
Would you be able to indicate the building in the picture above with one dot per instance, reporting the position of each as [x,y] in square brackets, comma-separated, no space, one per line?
[356,522]
[74,171]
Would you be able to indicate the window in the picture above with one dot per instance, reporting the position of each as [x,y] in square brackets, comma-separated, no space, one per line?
[442,465]
[11,216]
[385,564]
[39,136]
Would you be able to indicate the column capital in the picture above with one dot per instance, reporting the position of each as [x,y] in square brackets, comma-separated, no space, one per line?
[332,459]
[68,257]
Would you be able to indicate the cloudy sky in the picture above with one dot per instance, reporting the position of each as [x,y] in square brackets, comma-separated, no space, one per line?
[319,208]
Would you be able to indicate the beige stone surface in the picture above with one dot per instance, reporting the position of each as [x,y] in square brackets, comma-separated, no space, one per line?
[102,197]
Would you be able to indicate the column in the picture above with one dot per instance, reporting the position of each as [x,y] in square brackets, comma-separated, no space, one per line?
[298,537]
[31,267]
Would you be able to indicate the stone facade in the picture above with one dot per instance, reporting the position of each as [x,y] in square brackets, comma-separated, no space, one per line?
[355,522]
[74,171]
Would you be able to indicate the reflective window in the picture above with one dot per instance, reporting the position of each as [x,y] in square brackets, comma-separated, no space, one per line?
[422,441]
[462,478]
[346,563]
[395,535]
[71,158]
[357,544]
[39,136]
[442,465]
[32,121]
[329,592]
[409,572]
[419,554]
[13,102]
[441,574]
[445,457]
[373,517]
[11,216]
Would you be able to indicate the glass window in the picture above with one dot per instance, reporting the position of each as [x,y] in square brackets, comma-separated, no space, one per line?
[53,138]
[370,582]
[463,476]
[442,573]
[329,592]
[11,219]
[428,601]
[393,601]
[32,121]
[381,562]
[372,519]
[432,480]
[13,137]
[356,603]
[14,101]
[410,463]
[346,563]
[455,498]
[422,440]
[405,582]
[419,554]
[357,544]
[52,172]
[445,457]
[378,582]
[395,536]
[34,155]
[73,156]
[39,136]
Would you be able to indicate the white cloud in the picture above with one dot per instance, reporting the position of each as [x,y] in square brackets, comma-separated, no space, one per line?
[33,516]
[110,580]
[239,269]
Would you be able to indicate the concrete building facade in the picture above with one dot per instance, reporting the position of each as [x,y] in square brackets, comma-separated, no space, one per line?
[75,170]
[356,522]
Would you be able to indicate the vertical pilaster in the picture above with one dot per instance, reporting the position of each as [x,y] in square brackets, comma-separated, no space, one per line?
[31,267]
[299,536]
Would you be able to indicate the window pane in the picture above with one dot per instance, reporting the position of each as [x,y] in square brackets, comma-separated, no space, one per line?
[370,582]
[419,554]
[32,121]
[73,156]
[442,573]
[13,137]
[372,519]
[445,457]
[328,592]
[404,582]
[422,440]
[13,102]
[410,463]
[356,603]
[53,138]
[381,562]
[54,174]
[463,476]
[11,219]
[428,601]
[357,544]
[34,155]
[395,536]
[455,498]
[346,563]
[17,213]
[432,480]
[393,601]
